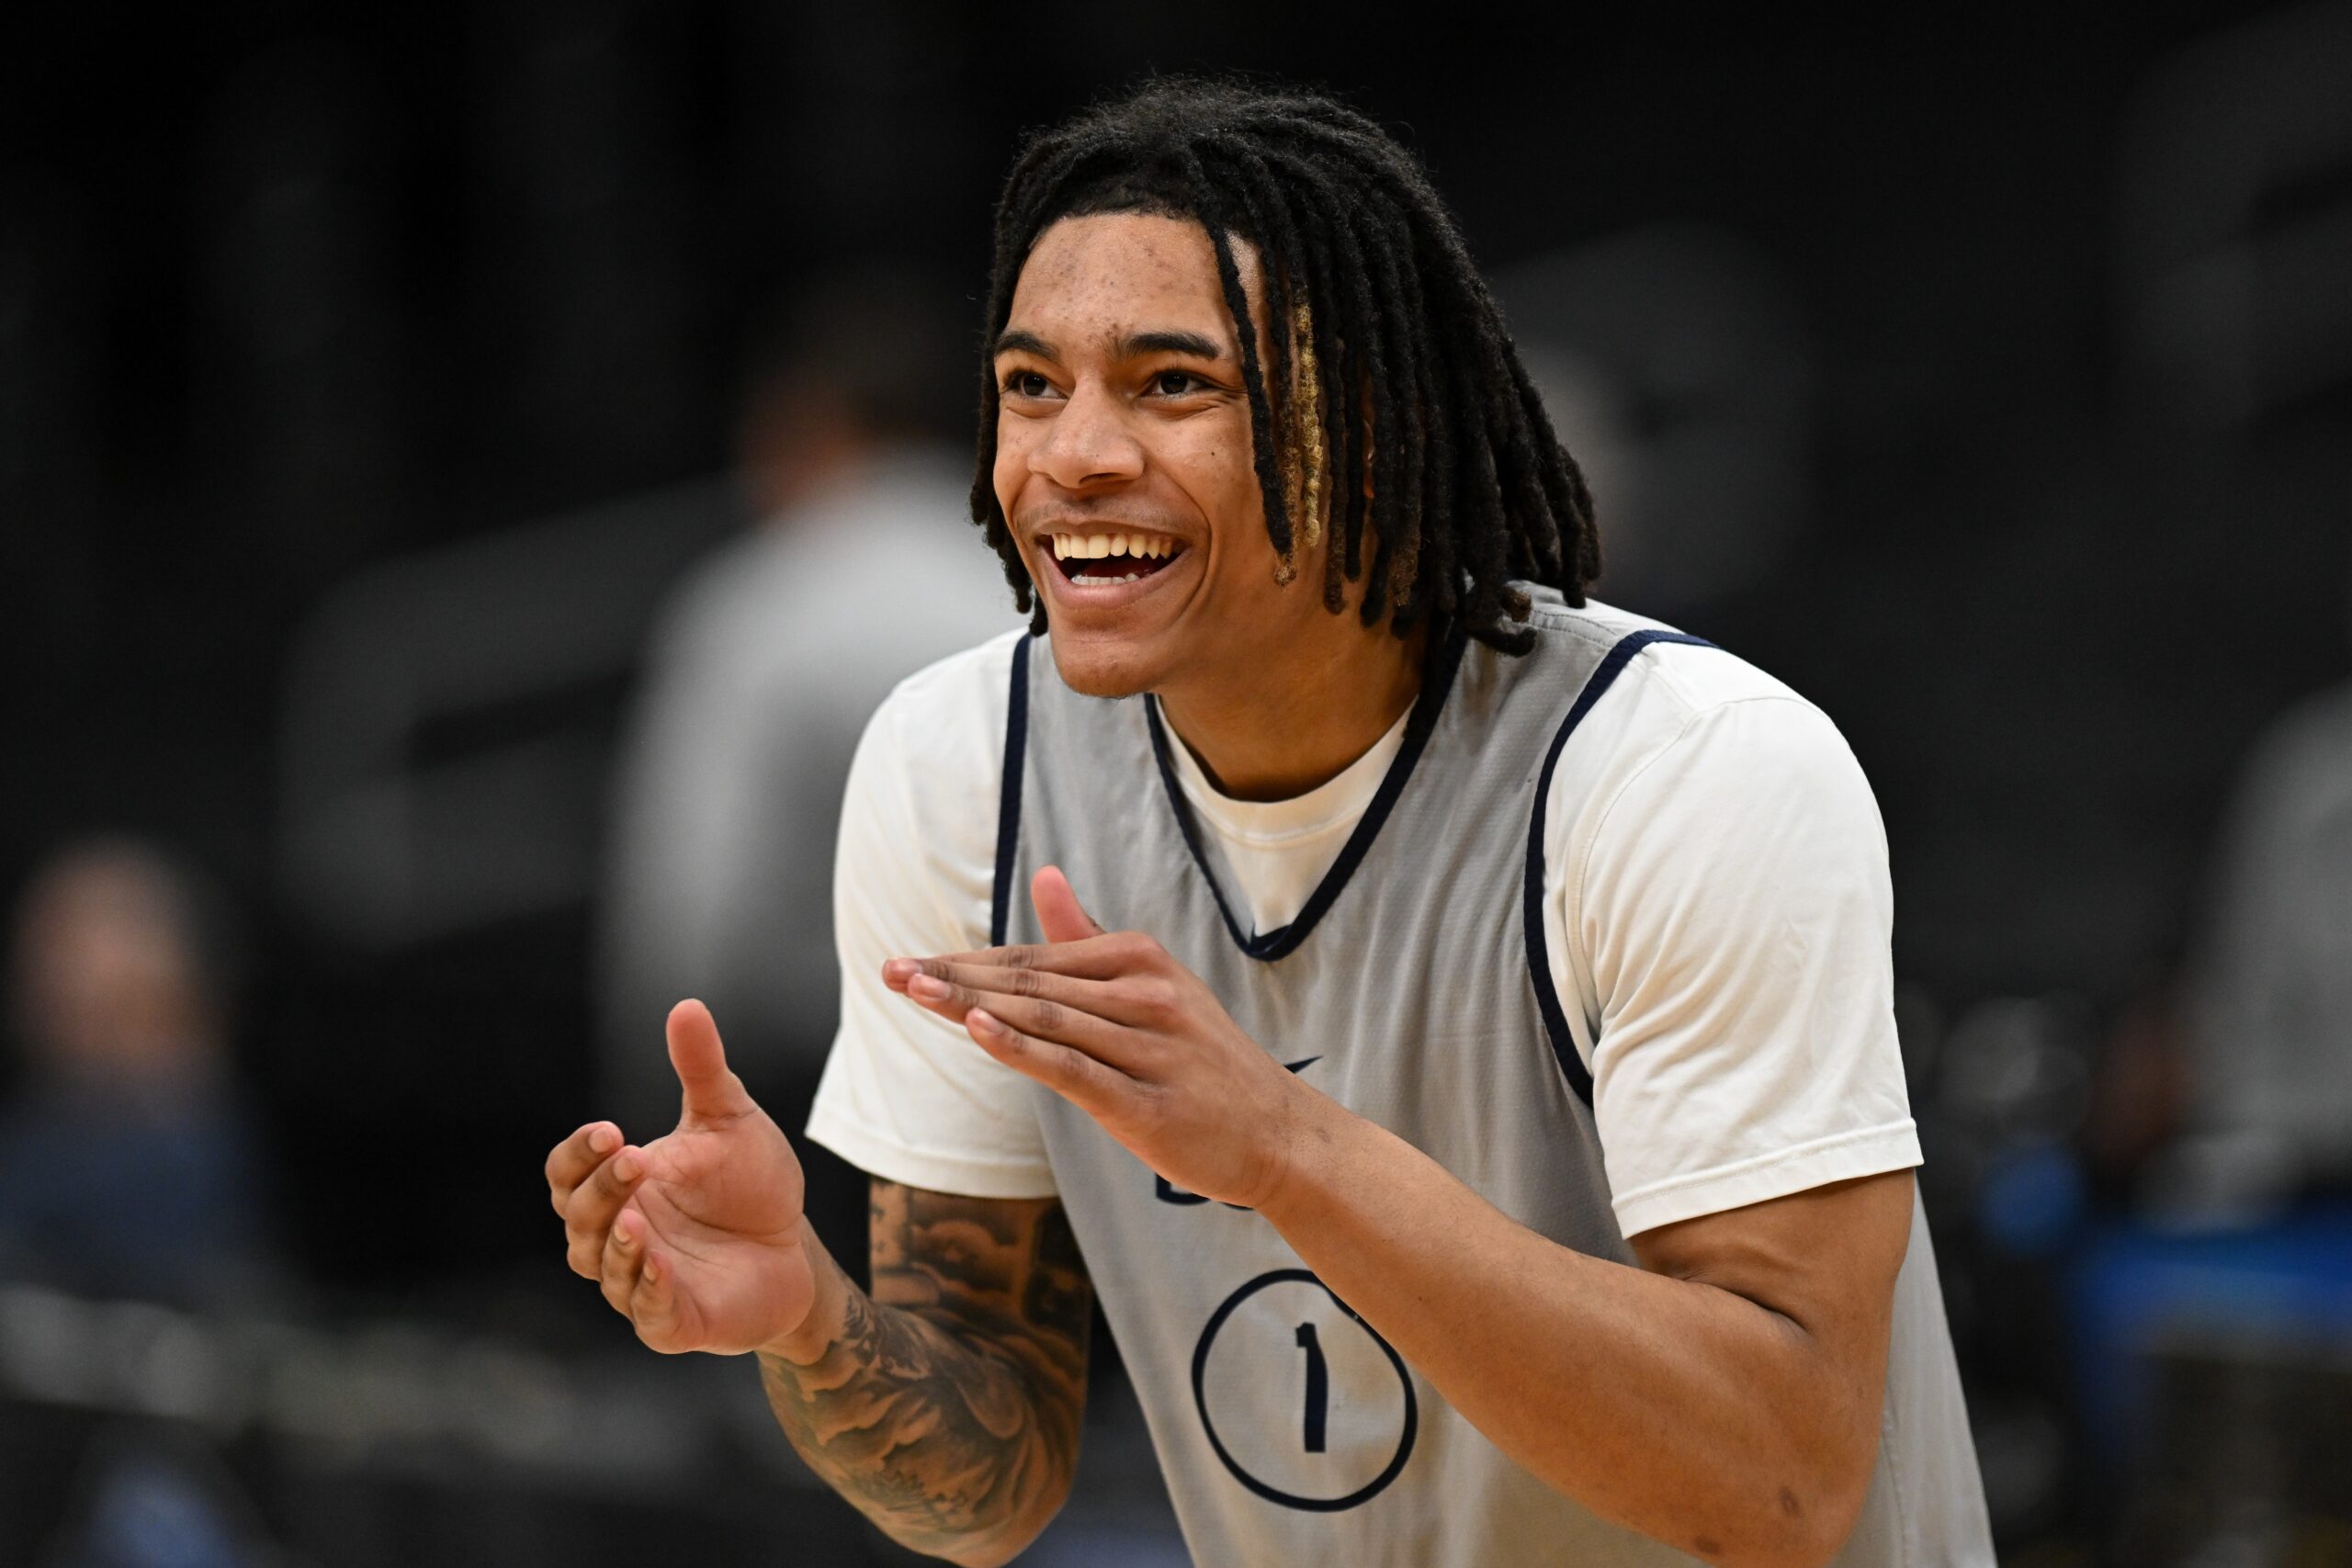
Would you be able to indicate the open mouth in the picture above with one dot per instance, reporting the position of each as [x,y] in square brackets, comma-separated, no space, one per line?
[1100,560]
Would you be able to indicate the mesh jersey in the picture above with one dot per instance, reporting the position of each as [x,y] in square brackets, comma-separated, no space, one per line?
[1413,987]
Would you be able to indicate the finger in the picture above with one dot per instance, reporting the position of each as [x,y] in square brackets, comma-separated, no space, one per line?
[1134,1001]
[594,1204]
[1084,1081]
[1044,1017]
[623,1259]
[1060,914]
[712,1094]
[654,1305]
[1102,958]
[570,1161]
[1114,999]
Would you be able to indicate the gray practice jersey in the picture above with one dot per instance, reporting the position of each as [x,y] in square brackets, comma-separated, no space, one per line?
[1412,987]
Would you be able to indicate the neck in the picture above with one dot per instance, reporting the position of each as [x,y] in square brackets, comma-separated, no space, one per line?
[1270,734]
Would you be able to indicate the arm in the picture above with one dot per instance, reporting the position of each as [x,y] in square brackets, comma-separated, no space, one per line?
[1723,1397]
[946,1405]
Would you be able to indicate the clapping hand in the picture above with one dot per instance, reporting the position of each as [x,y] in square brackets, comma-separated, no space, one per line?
[697,1238]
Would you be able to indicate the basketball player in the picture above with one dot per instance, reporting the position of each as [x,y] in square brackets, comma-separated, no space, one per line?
[1446,1018]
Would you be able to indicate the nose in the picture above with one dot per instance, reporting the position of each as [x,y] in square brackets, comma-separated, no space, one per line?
[1090,444]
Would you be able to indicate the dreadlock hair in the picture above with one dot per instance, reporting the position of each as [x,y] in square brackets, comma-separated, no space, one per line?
[1396,411]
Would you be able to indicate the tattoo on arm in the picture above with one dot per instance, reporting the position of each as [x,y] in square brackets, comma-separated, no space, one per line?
[947,1408]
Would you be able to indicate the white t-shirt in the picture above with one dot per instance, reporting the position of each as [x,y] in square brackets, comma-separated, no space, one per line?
[1726,973]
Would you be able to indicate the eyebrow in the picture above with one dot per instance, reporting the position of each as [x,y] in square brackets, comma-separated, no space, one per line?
[1134,346]
[1018,342]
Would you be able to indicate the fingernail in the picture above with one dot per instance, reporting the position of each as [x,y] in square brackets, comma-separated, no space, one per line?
[985,1021]
[622,1235]
[625,1168]
[898,969]
[603,1140]
[930,988]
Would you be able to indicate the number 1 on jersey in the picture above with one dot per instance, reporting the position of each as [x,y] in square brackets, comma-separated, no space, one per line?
[1318,1387]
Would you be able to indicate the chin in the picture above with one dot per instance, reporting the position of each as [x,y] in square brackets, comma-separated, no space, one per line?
[1102,667]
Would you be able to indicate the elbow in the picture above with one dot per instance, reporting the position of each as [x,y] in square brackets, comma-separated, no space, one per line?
[1805,1527]
[992,1554]
[1002,1545]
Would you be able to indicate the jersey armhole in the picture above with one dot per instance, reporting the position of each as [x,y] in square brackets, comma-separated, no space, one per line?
[1539,958]
[1008,810]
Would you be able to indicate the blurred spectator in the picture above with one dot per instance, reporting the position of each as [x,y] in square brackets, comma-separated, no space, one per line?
[155,1503]
[127,1165]
[2270,1030]
[763,666]
[2210,1330]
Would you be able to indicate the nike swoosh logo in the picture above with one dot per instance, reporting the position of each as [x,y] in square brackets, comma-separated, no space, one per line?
[1301,1064]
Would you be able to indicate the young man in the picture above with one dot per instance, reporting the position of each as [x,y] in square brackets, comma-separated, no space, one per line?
[1448,1021]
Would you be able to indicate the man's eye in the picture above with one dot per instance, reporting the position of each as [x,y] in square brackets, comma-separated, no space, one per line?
[1027,384]
[1175,383]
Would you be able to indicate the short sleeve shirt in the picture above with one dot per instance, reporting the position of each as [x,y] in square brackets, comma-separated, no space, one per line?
[1727,972]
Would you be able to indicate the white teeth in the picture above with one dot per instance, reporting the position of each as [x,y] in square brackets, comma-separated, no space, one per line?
[1095,546]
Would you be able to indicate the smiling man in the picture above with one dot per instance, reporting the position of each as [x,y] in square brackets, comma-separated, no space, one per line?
[1447,1019]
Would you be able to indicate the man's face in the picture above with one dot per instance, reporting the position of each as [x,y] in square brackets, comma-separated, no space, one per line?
[1124,425]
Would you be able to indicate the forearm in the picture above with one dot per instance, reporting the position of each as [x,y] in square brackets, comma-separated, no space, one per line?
[955,1442]
[1681,1410]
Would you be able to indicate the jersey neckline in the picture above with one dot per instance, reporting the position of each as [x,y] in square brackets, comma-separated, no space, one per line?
[1268,946]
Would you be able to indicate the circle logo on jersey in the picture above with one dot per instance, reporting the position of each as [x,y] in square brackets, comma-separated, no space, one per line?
[1301,1400]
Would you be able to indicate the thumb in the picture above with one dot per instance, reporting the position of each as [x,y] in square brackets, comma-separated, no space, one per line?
[712,1094]
[1059,915]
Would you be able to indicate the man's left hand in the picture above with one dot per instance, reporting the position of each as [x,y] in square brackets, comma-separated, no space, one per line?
[1121,1031]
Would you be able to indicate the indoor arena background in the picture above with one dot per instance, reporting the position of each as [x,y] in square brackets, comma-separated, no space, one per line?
[384,391]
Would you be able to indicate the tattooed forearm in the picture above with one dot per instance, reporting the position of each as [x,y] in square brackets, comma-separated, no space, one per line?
[946,1404]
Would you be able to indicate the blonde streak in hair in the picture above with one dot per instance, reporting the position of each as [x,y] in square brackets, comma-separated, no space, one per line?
[1308,401]
[1404,565]
[1294,487]
[1302,445]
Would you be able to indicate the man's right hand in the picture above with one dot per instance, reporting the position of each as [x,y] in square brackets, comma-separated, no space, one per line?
[697,1237]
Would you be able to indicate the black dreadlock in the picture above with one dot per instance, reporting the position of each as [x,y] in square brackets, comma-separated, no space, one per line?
[1370,287]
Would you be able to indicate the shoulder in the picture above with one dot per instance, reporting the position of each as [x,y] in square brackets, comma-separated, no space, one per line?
[932,756]
[1678,695]
[1699,770]
[2299,760]
[725,598]
[953,708]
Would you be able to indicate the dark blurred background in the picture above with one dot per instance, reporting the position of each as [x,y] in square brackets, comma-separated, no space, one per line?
[383,391]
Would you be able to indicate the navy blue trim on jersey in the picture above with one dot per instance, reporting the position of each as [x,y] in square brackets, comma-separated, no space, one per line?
[1267,946]
[1539,961]
[1008,809]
